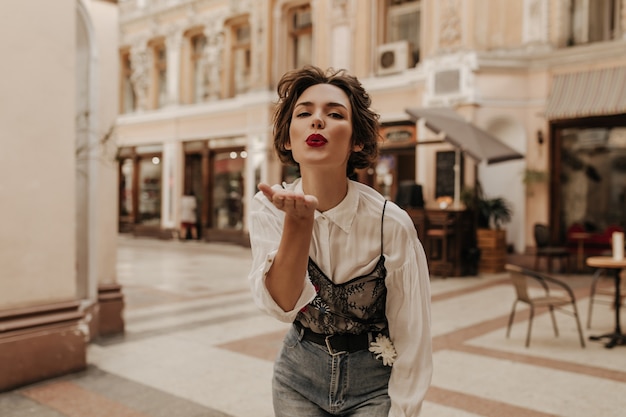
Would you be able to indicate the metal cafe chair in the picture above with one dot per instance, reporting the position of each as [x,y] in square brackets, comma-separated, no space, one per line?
[522,279]
[547,251]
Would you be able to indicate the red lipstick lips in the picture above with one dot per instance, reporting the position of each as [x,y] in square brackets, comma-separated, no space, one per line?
[316,140]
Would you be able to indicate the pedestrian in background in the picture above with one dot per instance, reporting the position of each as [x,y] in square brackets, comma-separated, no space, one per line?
[188,220]
[341,263]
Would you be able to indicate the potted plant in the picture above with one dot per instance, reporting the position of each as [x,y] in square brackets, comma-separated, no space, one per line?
[532,177]
[494,212]
[491,215]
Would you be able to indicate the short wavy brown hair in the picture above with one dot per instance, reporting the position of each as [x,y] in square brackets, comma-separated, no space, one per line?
[365,126]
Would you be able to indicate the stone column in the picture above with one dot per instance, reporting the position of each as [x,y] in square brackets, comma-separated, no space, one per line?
[173,45]
[43,328]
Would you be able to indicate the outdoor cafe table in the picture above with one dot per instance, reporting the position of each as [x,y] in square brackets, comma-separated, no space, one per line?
[607,262]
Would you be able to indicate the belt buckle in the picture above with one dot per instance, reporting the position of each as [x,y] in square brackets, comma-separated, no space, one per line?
[331,351]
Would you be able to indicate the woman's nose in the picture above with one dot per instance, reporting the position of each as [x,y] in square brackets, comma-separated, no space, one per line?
[317,122]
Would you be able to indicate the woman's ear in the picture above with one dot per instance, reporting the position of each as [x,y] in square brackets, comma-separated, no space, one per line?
[288,145]
[357,147]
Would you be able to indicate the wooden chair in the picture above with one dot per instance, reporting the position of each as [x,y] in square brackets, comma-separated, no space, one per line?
[603,286]
[523,279]
[544,249]
[439,234]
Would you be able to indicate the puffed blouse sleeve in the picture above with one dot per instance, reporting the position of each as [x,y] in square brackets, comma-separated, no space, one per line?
[408,314]
[266,225]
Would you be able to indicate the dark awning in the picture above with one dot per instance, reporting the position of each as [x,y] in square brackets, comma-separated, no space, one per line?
[471,139]
[589,93]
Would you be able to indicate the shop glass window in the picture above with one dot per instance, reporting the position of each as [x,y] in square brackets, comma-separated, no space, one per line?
[392,168]
[593,177]
[150,175]
[228,169]
[126,190]
[403,24]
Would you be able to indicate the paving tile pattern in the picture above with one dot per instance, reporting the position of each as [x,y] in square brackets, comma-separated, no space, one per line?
[195,345]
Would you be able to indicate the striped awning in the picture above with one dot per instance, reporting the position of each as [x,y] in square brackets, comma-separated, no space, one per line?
[590,93]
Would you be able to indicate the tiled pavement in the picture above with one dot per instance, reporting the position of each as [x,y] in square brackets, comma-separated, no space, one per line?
[196,346]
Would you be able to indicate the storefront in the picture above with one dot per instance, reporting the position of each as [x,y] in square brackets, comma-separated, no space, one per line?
[587,113]
[213,171]
[590,160]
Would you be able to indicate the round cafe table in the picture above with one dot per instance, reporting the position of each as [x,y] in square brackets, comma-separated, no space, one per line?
[616,337]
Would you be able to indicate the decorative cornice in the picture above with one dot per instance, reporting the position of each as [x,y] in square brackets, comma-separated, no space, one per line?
[129,13]
[546,57]
[238,103]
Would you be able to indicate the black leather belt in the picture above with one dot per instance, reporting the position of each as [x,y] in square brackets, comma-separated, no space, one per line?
[338,343]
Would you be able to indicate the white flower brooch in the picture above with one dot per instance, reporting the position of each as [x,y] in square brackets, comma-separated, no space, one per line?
[383,348]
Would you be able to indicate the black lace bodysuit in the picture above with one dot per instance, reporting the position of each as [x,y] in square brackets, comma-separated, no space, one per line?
[353,307]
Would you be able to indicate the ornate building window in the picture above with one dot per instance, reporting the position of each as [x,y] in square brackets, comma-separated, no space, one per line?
[402,23]
[193,67]
[241,56]
[196,76]
[301,35]
[594,21]
[128,100]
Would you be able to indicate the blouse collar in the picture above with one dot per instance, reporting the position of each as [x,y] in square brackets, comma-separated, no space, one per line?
[344,213]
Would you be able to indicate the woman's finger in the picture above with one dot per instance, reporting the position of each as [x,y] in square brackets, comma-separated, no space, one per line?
[266,190]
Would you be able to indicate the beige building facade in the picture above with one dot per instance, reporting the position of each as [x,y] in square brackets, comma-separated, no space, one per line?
[197,88]
[58,105]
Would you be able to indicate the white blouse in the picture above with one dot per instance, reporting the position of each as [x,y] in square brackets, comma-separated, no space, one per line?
[346,244]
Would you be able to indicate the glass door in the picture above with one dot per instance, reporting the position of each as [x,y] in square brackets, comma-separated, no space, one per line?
[228,182]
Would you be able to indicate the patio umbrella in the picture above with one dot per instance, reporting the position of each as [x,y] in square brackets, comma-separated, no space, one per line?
[465,136]
[469,138]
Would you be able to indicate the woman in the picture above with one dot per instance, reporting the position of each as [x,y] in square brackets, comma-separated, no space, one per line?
[188,216]
[341,263]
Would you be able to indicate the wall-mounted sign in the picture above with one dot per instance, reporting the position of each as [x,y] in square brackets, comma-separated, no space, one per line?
[400,135]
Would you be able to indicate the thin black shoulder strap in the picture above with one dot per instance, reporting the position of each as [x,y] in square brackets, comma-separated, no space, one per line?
[382,220]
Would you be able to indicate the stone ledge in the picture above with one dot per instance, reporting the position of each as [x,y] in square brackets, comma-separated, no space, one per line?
[41,342]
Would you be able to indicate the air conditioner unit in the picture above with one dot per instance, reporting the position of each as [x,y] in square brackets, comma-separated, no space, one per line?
[392,58]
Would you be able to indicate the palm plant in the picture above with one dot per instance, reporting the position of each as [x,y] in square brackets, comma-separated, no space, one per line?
[489,211]
[494,211]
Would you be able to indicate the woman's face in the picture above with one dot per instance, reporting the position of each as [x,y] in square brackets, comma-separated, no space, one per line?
[321,128]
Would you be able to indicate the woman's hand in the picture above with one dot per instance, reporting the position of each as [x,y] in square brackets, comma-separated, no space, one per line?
[285,280]
[296,205]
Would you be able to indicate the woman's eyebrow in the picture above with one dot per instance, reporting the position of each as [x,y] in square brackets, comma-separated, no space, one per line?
[330,104]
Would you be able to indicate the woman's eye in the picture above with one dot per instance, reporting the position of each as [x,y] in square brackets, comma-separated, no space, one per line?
[303,114]
[336,115]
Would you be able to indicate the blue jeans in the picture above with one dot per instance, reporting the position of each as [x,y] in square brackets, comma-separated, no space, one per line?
[309,382]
